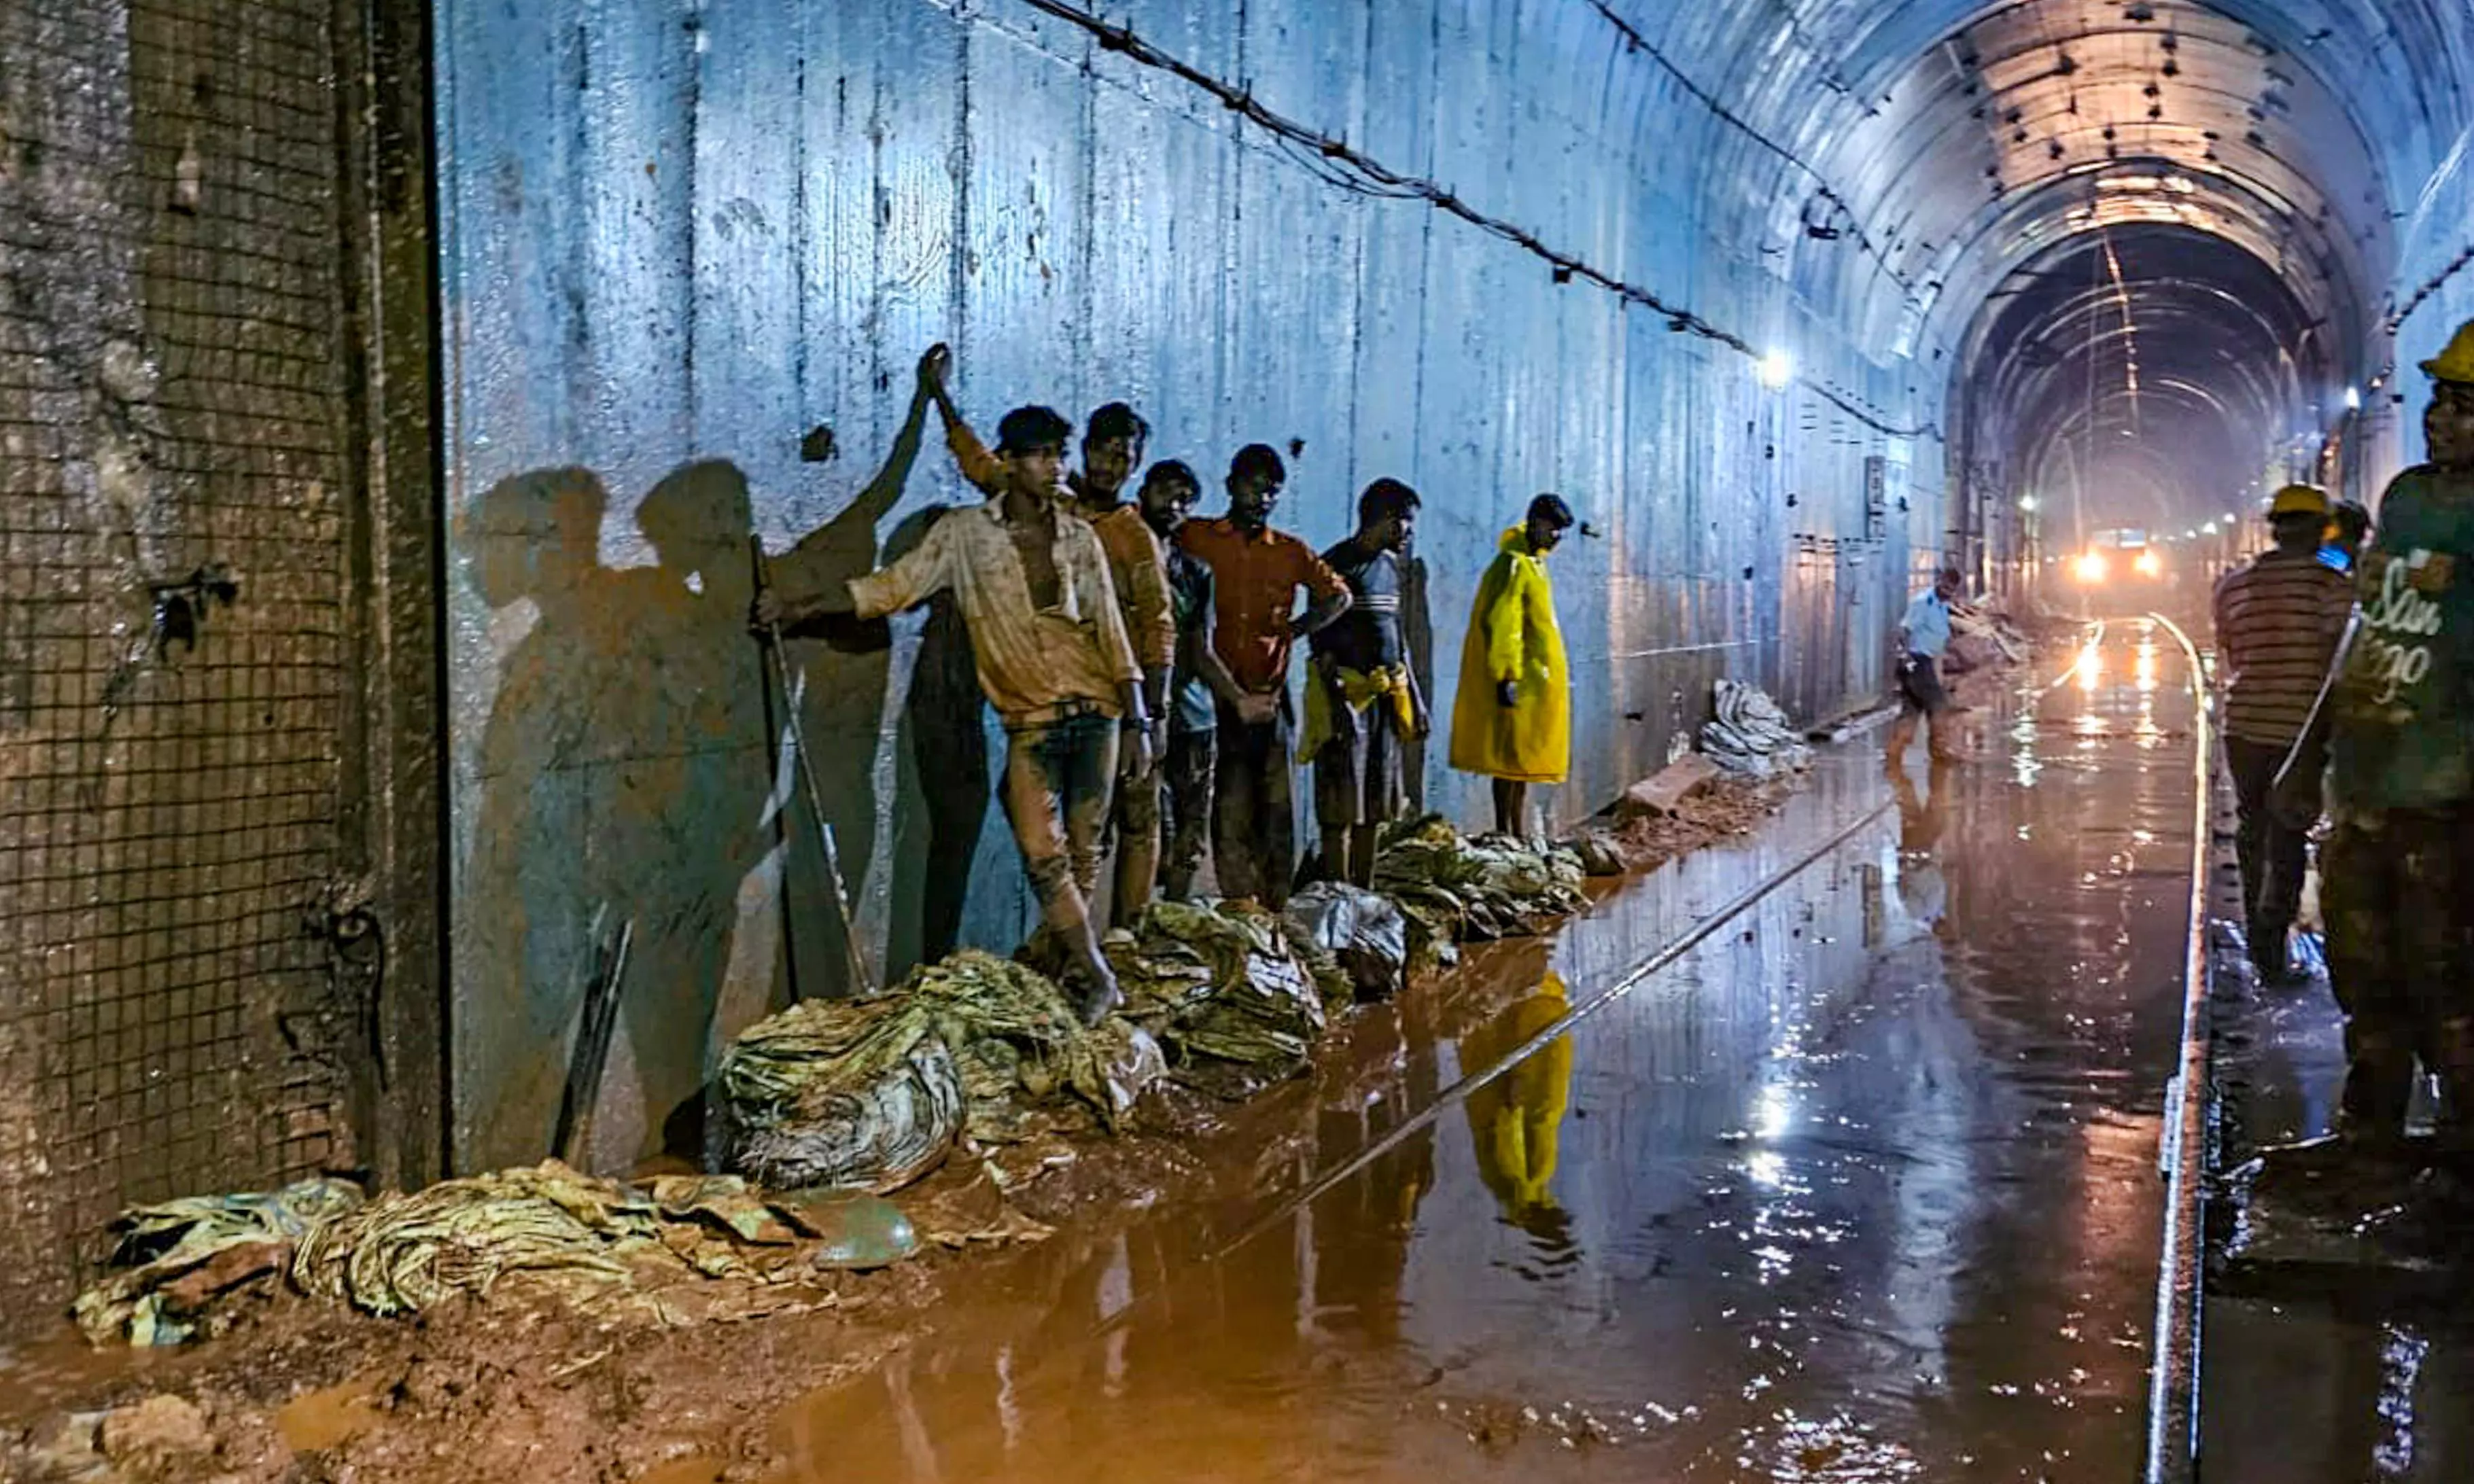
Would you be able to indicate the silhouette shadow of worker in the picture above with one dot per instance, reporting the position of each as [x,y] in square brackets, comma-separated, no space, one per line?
[534,876]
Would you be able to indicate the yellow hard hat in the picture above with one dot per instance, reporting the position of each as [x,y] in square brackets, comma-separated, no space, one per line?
[2457,362]
[2299,500]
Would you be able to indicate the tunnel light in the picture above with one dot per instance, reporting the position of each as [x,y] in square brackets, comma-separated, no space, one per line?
[2353,399]
[1777,369]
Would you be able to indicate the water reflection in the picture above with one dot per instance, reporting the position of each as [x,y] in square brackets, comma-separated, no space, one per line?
[1517,1120]
[1861,1188]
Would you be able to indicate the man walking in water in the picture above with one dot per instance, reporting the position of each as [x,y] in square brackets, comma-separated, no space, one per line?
[2278,620]
[1924,636]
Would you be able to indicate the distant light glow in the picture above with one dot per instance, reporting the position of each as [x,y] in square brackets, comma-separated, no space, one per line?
[2353,399]
[2210,529]
[2148,565]
[2027,503]
[2093,567]
[1777,369]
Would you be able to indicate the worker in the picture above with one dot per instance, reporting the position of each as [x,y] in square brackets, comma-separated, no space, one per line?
[2349,526]
[1257,574]
[1201,683]
[1922,639]
[1363,706]
[1511,717]
[1051,648]
[2398,875]
[1113,440]
[2278,621]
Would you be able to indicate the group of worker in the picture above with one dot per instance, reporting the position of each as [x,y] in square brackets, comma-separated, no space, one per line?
[2349,657]
[1139,659]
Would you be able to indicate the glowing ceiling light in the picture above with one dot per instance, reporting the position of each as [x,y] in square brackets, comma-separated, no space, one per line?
[2210,528]
[1777,369]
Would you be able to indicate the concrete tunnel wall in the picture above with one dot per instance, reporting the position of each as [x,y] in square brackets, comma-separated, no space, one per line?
[676,237]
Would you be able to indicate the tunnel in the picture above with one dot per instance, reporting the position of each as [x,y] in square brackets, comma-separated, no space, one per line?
[390,391]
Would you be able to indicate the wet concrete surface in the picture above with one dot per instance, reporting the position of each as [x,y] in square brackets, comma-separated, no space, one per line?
[2337,1349]
[1861,1186]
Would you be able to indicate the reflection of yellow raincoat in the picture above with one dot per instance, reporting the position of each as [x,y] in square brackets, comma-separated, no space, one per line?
[1515,1120]
[1511,637]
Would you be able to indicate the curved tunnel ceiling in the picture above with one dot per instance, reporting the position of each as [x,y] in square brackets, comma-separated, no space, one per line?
[1950,175]
[2041,121]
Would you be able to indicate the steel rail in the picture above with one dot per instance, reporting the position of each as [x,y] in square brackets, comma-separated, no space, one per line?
[2172,1453]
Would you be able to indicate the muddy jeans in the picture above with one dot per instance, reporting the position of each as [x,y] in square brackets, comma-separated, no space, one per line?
[2398,892]
[1137,826]
[1058,777]
[2274,853]
[1253,820]
[1186,787]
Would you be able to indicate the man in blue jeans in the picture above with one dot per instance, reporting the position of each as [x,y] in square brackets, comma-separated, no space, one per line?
[1924,637]
[1053,656]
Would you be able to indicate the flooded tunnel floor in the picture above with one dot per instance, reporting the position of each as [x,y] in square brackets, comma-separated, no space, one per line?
[1861,1186]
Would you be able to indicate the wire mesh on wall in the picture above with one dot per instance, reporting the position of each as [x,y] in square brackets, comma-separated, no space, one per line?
[173,670]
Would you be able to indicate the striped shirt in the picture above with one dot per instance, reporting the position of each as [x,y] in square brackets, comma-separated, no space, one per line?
[2278,623]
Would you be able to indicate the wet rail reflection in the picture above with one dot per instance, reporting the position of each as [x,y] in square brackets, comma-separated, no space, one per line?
[1860,1188]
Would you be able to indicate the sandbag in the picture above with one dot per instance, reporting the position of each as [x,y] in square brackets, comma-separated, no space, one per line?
[1366,933]
[875,1134]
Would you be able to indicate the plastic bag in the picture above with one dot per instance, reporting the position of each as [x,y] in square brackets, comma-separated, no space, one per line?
[1365,932]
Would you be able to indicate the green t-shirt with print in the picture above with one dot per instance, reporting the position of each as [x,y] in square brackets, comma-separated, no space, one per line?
[2403,734]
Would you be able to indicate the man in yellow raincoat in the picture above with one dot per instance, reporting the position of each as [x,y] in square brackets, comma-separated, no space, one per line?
[1511,719]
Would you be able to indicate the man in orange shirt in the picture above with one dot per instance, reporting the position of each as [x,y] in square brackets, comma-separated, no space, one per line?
[1256,572]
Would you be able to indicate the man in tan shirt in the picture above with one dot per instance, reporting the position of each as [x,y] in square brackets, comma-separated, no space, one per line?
[1052,654]
[1113,448]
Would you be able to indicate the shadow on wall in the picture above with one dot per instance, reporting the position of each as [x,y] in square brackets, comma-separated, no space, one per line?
[632,771]
[623,779]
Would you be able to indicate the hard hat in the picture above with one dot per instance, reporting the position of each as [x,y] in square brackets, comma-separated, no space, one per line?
[2456,363]
[2299,500]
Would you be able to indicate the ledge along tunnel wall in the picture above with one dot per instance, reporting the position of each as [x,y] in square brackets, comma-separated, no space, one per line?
[690,253]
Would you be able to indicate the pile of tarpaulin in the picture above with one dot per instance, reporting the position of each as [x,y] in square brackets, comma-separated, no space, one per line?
[1749,736]
[872,1094]
[840,1102]
[1454,888]
[675,1249]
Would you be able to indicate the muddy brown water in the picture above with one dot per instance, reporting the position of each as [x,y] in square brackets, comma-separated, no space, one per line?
[1860,1188]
